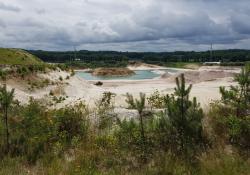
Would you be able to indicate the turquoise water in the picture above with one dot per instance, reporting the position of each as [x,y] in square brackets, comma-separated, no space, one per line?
[139,75]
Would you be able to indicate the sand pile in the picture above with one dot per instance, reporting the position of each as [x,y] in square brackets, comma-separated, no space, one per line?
[112,72]
[166,75]
[200,76]
[144,66]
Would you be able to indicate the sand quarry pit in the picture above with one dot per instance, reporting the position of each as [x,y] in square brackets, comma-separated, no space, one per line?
[206,83]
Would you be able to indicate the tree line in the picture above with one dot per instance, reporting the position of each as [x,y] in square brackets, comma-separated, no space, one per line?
[112,57]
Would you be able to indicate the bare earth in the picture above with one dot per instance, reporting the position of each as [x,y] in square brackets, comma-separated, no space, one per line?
[206,82]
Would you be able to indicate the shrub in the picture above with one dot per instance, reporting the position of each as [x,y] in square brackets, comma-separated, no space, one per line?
[128,134]
[61,78]
[3,74]
[51,93]
[72,123]
[105,107]
[99,83]
[33,131]
[156,100]
[231,113]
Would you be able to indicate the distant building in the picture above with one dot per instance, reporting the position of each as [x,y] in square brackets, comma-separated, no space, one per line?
[211,63]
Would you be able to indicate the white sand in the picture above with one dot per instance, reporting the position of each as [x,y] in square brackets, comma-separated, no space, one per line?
[206,89]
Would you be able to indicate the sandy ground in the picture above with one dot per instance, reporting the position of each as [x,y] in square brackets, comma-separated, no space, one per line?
[206,82]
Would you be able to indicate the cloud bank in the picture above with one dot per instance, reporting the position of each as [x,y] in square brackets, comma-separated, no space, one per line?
[125,25]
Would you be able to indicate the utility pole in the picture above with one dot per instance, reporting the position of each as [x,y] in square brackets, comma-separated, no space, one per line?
[75,52]
[211,52]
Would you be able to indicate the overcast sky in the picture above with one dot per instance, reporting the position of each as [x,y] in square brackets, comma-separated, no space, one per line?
[125,25]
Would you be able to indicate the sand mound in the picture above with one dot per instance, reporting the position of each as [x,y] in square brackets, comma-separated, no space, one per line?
[112,72]
[201,76]
[143,66]
[166,75]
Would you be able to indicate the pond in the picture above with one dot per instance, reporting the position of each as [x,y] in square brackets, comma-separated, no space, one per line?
[139,75]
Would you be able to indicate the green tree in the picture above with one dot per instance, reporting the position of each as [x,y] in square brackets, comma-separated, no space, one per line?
[6,100]
[184,121]
[139,105]
[238,97]
[235,104]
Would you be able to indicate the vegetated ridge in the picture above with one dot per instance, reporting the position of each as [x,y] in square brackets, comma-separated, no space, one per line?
[17,57]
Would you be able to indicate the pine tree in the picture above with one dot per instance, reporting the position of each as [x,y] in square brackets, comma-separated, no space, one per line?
[6,100]
[185,120]
[238,97]
[139,105]
[236,101]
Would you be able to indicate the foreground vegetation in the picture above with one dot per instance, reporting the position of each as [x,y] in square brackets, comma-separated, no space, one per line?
[172,135]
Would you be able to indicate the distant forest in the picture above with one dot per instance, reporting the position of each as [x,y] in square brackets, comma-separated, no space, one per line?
[234,55]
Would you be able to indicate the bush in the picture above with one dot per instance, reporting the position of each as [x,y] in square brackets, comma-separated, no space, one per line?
[33,131]
[61,78]
[3,74]
[156,100]
[99,83]
[72,123]
[104,110]
[231,114]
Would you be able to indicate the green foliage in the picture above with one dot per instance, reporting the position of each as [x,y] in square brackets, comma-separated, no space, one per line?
[109,58]
[33,131]
[238,97]
[128,134]
[6,101]
[219,163]
[24,71]
[156,100]
[184,122]
[71,141]
[230,116]
[17,57]
[3,74]
[72,123]
[139,105]
[105,107]
[97,64]
[38,84]
[61,78]
[234,121]
[37,131]
[99,83]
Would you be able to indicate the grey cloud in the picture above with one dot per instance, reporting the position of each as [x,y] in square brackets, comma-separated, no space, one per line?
[2,24]
[240,23]
[9,7]
[40,11]
[149,25]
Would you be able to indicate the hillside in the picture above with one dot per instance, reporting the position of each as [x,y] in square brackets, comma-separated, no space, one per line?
[17,57]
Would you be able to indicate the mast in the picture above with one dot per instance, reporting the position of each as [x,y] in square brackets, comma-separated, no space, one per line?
[211,52]
[75,53]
